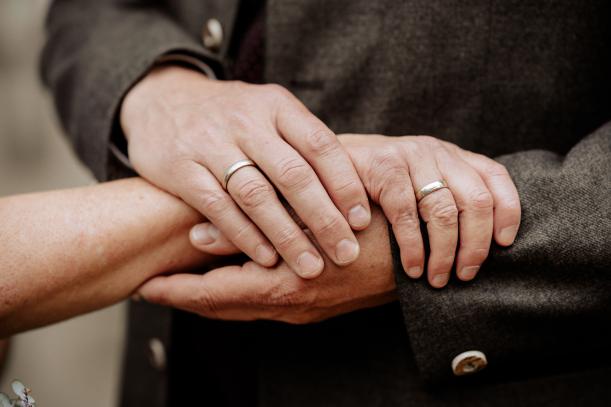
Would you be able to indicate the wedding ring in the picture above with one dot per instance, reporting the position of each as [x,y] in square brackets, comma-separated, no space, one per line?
[430,188]
[233,168]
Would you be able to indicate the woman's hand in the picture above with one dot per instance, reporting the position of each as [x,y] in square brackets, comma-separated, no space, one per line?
[184,131]
[480,202]
[250,291]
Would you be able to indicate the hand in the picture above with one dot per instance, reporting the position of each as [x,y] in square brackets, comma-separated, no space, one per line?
[184,131]
[251,291]
[480,201]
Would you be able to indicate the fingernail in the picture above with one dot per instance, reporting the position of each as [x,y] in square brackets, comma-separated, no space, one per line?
[265,253]
[440,280]
[204,234]
[358,217]
[346,251]
[414,272]
[508,234]
[468,273]
[309,265]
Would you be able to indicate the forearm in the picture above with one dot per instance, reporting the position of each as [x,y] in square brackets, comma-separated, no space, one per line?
[69,252]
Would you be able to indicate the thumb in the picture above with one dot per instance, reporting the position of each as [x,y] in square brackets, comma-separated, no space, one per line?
[209,239]
[229,292]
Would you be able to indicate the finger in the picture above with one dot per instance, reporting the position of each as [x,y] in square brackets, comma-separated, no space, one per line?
[256,197]
[300,186]
[475,212]
[321,148]
[207,238]
[212,295]
[440,213]
[203,192]
[232,293]
[507,210]
[389,184]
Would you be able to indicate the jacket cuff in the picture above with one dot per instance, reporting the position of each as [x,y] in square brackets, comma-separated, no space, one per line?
[91,76]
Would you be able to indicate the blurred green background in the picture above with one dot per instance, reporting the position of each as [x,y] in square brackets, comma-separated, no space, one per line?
[74,363]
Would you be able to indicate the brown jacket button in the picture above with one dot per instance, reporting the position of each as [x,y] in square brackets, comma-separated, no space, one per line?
[212,34]
[469,362]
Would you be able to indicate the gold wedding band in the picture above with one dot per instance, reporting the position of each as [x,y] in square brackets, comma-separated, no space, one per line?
[235,167]
[430,188]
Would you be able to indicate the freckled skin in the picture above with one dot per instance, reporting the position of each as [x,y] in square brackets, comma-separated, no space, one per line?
[65,253]
[68,252]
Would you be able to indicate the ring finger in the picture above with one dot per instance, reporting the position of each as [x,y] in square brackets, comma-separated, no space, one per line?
[440,213]
[205,194]
[475,213]
[257,198]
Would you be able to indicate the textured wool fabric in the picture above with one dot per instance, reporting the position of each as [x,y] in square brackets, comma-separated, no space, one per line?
[250,54]
[525,82]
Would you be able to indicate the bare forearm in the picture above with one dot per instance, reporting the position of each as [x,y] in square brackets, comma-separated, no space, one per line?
[68,252]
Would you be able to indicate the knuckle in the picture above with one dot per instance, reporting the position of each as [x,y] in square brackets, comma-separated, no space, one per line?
[397,199]
[385,162]
[294,174]
[406,219]
[422,146]
[445,214]
[512,205]
[247,233]
[475,255]
[443,263]
[239,88]
[286,238]
[472,251]
[254,193]
[481,200]
[205,304]
[290,294]
[241,122]
[321,141]
[276,90]
[429,141]
[497,169]
[283,295]
[385,168]
[327,225]
[348,186]
[214,203]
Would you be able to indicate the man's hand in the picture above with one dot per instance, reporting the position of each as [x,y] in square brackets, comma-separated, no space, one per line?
[250,291]
[480,202]
[184,131]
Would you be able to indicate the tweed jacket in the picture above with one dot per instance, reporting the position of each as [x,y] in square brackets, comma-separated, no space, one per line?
[525,82]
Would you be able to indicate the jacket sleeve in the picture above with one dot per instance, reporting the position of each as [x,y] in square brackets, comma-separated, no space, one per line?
[543,304]
[95,51]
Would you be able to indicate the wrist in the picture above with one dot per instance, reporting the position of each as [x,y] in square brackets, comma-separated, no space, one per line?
[376,252]
[160,81]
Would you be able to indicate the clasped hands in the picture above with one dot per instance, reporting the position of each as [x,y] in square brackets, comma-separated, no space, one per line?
[332,254]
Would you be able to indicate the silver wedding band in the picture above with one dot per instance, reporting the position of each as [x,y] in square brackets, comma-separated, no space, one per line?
[430,188]
[235,167]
